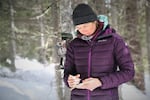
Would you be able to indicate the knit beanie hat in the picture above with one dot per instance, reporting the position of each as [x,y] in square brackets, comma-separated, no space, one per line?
[83,13]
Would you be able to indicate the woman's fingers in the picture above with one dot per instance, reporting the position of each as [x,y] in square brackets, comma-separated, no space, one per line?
[73,80]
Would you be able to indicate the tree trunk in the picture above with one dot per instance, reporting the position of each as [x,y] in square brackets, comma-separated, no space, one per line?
[55,13]
[54,22]
[147,76]
[66,26]
[148,31]
[42,39]
[133,38]
[74,3]
[12,41]
[99,6]
[65,21]
[43,50]
[114,14]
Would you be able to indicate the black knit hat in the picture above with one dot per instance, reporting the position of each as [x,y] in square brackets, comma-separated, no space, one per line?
[83,13]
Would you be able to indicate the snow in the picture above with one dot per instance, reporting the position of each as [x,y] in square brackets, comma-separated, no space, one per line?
[27,64]
[35,81]
[31,81]
[30,70]
[130,92]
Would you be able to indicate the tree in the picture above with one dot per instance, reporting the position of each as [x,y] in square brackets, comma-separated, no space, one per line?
[99,6]
[13,36]
[148,30]
[133,39]
[4,32]
[40,19]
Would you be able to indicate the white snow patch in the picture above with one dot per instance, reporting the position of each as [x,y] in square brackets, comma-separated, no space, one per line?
[130,92]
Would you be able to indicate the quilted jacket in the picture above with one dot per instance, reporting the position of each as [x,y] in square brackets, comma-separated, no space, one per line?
[106,57]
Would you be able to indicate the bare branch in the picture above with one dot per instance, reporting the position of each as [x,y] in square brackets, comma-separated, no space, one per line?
[43,12]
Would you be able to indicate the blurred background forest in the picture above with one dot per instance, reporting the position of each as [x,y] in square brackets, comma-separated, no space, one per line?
[31,28]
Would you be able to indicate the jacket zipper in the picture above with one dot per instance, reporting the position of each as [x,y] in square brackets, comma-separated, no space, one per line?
[89,68]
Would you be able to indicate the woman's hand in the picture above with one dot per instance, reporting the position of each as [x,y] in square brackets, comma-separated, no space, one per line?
[73,80]
[90,84]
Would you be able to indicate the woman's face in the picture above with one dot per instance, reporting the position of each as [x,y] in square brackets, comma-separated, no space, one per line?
[86,28]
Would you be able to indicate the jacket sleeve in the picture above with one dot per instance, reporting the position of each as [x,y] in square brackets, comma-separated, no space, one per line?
[69,66]
[125,66]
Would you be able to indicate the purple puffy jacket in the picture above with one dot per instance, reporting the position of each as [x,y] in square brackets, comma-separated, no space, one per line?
[107,57]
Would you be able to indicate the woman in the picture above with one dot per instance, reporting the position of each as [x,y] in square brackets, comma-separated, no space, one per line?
[98,60]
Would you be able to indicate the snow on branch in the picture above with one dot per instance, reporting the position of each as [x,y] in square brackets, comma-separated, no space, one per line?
[43,12]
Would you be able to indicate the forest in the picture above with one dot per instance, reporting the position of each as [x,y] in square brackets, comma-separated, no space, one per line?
[31,28]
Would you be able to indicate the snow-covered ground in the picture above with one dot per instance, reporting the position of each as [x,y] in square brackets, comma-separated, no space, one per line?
[130,92]
[31,81]
[34,81]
